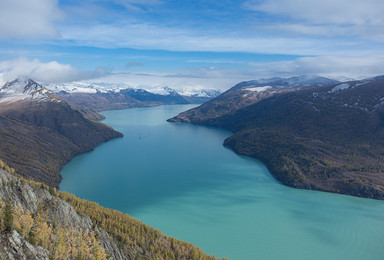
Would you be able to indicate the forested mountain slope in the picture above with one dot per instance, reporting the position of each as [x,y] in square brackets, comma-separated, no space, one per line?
[325,138]
[40,132]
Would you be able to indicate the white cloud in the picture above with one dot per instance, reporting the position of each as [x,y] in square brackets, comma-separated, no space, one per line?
[338,67]
[326,11]
[26,18]
[351,17]
[149,36]
[357,67]
[47,72]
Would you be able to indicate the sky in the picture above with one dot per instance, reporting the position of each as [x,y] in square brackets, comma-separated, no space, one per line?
[189,44]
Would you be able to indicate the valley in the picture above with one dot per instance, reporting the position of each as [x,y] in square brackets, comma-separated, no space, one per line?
[312,134]
[249,129]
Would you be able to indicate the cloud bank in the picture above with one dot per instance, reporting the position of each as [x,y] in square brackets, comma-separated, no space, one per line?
[47,72]
[356,67]
[327,17]
[28,18]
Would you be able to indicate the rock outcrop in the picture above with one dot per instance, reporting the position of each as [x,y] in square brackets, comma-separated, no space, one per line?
[14,246]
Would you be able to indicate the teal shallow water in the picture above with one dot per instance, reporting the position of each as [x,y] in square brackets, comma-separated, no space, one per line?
[180,179]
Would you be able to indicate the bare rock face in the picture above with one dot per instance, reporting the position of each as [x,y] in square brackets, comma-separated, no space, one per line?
[14,246]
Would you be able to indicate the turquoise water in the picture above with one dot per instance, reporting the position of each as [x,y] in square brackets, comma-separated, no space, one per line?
[180,179]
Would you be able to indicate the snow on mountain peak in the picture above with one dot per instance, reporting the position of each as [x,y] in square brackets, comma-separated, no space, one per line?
[165,91]
[258,89]
[293,82]
[89,87]
[339,87]
[23,89]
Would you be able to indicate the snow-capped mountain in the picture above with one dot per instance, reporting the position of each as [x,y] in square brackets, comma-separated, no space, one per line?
[299,82]
[164,91]
[24,89]
[106,96]
[353,84]
[90,87]
[208,93]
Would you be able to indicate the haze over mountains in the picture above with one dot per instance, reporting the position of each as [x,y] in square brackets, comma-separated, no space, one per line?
[326,136]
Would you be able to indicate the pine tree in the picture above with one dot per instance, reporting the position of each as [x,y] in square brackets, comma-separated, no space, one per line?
[22,221]
[71,243]
[43,232]
[8,216]
[1,214]
[60,248]
[83,251]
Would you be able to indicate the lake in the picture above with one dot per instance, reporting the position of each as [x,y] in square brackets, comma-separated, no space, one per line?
[180,179]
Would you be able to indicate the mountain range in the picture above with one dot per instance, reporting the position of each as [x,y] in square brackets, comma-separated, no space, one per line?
[320,135]
[121,96]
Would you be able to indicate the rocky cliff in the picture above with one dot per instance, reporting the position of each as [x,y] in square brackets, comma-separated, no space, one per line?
[38,201]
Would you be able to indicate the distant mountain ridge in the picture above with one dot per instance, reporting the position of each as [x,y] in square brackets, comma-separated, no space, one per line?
[328,138]
[299,82]
[121,96]
[40,132]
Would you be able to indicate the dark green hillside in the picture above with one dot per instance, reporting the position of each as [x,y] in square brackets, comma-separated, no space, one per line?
[320,139]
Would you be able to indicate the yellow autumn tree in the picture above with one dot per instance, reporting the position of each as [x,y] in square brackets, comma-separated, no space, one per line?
[98,252]
[60,247]
[22,221]
[43,232]
[83,251]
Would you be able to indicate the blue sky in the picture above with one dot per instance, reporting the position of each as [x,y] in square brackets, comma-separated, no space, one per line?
[201,43]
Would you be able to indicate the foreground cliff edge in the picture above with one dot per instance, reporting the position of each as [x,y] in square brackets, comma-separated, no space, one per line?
[39,222]
[328,138]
